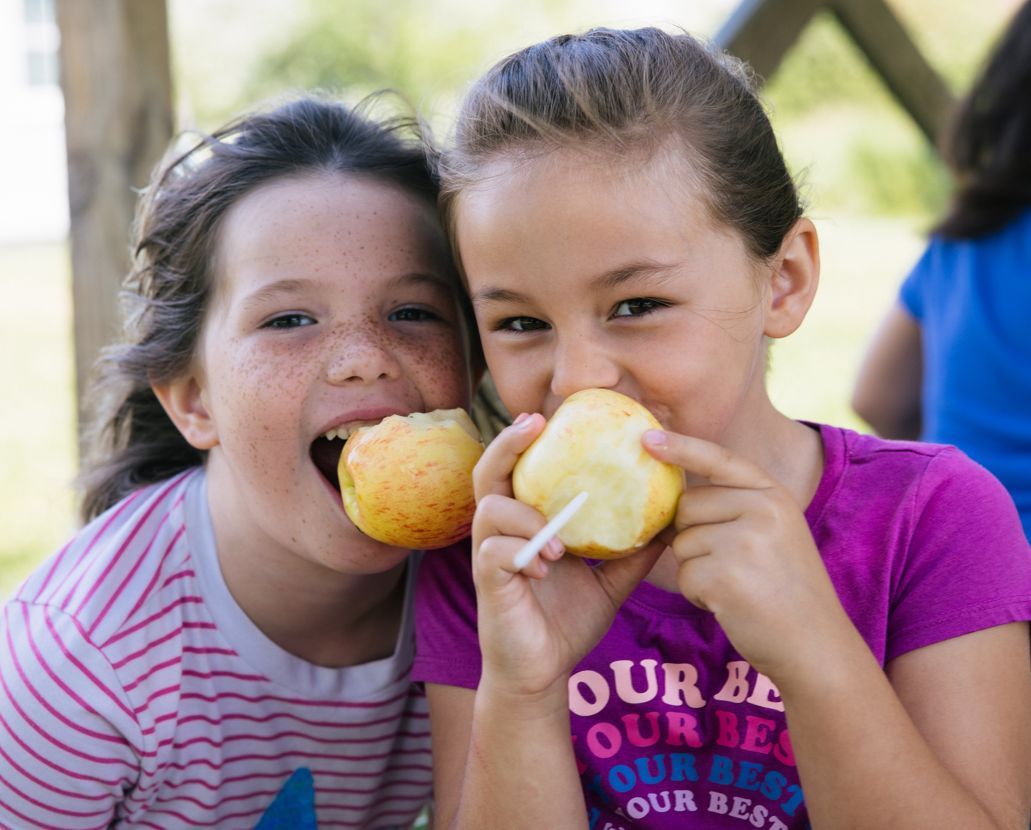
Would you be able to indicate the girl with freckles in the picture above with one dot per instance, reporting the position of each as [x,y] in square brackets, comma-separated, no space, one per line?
[832,632]
[220,646]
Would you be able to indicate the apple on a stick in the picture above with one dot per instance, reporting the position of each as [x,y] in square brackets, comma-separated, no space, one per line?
[593,444]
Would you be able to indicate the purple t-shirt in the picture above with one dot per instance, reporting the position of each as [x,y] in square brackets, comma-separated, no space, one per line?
[671,727]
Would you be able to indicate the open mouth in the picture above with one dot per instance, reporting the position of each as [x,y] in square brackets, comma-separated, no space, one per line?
[325,450]
[325,453]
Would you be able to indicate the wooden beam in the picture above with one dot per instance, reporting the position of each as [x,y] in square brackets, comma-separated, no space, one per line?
[117,87]
[909,77]
[762,31]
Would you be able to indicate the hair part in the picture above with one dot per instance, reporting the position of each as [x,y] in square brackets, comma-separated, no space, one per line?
[631,93]
[987,144]
[171,281]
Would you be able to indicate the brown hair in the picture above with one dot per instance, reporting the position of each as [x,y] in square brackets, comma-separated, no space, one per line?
[174,246]
[987,144]
[630,92]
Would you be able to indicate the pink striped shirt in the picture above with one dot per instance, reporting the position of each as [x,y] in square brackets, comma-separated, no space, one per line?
[135,693]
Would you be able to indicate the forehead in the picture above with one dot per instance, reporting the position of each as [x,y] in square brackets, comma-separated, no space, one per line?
[329,220]
[592,172]
[563,194]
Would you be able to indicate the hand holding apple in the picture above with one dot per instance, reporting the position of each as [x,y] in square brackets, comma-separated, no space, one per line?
[407,481]
[593,443]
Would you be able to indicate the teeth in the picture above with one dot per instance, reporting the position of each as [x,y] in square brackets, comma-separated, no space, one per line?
[346,431]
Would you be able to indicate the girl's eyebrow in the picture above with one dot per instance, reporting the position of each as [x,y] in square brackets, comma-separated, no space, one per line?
[607,281]
[274,289]
[633,271]
[293,285]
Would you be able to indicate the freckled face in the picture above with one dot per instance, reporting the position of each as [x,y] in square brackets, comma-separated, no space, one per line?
[334,303]
[587,274]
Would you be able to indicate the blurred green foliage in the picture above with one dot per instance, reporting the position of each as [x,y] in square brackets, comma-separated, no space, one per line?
[358,47]
[834,113]
[840,126]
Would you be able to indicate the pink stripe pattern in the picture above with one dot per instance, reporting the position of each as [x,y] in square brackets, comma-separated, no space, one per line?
[122,703]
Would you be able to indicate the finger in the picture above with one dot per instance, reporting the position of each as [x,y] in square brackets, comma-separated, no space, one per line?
[703,458]
[697,570]
[493,564]
[498,515]
[493,472]
[695,542]
[709,504]
[502,517]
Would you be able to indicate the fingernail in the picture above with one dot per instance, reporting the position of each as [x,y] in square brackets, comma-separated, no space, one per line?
[655,438]
[554,546]
[522,416]
[523,421]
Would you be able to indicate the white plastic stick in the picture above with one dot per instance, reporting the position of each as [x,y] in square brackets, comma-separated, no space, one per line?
[542,536]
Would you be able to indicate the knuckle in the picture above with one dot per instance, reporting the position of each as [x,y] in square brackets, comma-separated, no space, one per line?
[491,504]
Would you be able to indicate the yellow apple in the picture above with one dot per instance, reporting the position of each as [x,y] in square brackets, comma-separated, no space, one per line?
[407,481]
[593,443]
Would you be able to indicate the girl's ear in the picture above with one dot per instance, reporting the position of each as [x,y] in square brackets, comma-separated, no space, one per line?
[185,403]
[793,280]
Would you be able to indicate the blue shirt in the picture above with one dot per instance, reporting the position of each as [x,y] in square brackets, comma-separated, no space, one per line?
[972,299]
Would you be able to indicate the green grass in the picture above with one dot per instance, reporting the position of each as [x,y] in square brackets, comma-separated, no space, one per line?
[37,420]
[811,375]
[863,261]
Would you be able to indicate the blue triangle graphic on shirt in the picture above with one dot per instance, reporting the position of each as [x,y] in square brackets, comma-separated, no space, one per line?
[293,808]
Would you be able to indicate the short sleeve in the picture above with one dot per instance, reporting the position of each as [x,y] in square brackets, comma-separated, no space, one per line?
[968,564]
[65,758]
[447,646]
[911,293]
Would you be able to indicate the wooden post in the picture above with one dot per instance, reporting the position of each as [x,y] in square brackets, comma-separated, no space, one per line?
[896,59]
[117,87]
[761,32]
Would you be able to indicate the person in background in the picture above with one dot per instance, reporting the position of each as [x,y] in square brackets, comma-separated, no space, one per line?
[220,646]
[833,631]
[951,361]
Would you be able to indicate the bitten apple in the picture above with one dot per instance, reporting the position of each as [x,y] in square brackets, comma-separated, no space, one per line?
[593,443]
[407,481]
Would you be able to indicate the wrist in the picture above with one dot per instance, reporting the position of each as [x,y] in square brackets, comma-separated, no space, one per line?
[498,695]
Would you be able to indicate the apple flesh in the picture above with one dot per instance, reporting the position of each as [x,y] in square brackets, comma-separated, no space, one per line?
[407,481]
[593,443]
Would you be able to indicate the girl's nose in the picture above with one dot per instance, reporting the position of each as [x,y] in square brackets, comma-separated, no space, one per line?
[362,357]
[581,363]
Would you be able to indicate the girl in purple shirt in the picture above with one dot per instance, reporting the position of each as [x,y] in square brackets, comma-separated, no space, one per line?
[832,633]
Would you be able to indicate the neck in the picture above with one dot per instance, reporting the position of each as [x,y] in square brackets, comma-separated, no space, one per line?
[344,620]
[315,612]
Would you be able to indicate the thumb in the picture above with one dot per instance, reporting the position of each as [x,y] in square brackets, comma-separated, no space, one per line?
[619,577]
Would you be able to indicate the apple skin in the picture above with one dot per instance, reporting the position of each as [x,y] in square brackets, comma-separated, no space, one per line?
[593,443]
[407,481]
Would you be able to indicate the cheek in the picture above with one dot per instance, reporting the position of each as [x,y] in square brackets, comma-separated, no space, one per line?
[521,382]
[255,398]
[440,370]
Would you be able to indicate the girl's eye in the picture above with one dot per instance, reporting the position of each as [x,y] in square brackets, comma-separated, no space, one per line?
[637,307]
[521,324]
[412,314]
[289,321]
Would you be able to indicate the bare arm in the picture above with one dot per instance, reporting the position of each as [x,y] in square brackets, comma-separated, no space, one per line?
[887,390]
[500,762]
[928,745]
[505,753]
[940,740]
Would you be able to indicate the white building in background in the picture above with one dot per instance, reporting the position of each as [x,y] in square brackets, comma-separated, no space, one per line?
[33,165]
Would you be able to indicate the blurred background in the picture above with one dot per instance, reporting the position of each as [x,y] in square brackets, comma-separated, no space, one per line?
[872,180]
